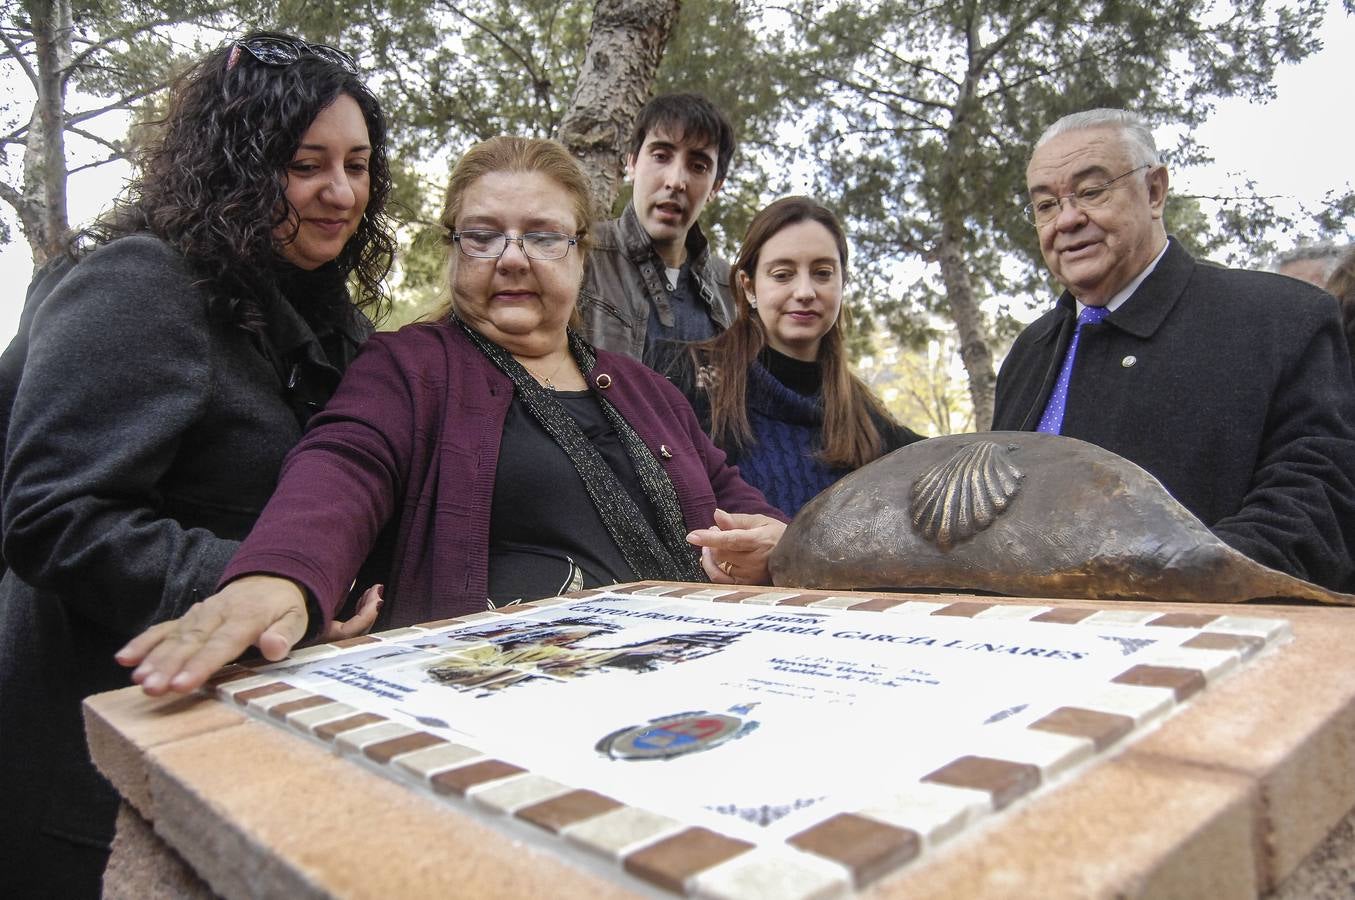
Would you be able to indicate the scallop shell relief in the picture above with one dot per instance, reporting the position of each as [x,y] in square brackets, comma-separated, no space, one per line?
[965,494]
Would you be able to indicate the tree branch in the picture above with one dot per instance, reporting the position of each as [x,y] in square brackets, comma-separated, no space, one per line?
[121,103]
[20,59]
[498,39]
[96,164]
[90,136]
[133,31]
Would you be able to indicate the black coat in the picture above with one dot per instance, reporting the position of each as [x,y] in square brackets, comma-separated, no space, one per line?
[1233,388]
[143,441]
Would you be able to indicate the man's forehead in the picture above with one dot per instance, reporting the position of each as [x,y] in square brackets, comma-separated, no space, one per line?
[676,136]
[1073,154]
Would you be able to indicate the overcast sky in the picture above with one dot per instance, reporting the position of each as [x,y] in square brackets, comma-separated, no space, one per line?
[1299,145]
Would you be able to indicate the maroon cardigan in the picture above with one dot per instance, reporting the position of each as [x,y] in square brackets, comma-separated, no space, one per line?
[411,438]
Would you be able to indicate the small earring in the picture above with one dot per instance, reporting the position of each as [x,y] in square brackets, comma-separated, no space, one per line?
[752,301]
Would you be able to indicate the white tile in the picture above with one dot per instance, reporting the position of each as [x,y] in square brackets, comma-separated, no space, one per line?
[1270,629]
[916,608]
[313,652]
[935,811]
[837,602]
[1120,617]
[1053,753]
[616,833]
[659,591]
[508,794]
[353,740]
[308,719]
[1213,663]
[1141,703]
[1010,613]
[425,763]
[770,598]
[231,688]
[772,873]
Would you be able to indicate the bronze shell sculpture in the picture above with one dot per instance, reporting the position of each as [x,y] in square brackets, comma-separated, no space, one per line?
[1018,513]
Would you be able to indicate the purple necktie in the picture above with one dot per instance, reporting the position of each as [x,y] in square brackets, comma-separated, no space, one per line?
[1052,420]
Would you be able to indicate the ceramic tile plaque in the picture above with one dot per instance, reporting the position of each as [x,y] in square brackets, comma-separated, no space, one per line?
[749,743]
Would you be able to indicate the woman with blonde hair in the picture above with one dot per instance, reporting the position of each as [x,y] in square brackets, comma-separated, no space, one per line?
[503,456]
[776,389]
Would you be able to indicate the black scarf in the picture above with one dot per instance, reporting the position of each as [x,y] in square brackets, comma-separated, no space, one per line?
[666,555]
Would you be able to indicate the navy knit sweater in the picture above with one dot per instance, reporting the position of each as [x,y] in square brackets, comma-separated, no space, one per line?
[785,411]
[788,428]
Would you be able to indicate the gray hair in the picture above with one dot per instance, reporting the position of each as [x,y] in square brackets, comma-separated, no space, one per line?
[1134,130]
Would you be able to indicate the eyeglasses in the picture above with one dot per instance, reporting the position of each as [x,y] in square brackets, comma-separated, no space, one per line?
[284,52]
[535,244]
[1047,209]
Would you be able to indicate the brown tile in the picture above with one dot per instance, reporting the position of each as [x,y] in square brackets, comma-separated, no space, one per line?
[329,730]
[463,778]
[583,595]
[266,690]
[1068,615]
[440,623]
[283,710]
[1183,620]
[736,597]
[1003,780]
[964,609]
[671,861]
[565,810]
[802,599]
[385,751]
[878,604]
[355,641]
[227,673]
[1217,640]
[1183,682]
[867,847]
[634,586]
[1102,728]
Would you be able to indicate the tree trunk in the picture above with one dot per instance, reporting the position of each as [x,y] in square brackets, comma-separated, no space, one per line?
[44,218]
[969,325]
[625,45]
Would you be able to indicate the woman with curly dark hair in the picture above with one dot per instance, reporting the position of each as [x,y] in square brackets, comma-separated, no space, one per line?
[167,366]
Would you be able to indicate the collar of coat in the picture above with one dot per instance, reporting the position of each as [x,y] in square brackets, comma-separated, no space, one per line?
[1148,307]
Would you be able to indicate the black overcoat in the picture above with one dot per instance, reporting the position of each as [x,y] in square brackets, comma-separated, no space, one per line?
[1232,387]
[144,439]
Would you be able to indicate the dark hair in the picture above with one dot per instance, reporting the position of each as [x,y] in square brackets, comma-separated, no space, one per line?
[213,182]
[688,118]
[850,436]
[1341,285]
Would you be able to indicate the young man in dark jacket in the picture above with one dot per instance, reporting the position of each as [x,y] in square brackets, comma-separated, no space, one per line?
[652,280]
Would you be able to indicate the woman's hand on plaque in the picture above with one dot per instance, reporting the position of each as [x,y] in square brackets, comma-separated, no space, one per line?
[180,655]
[735,549]
[363,620]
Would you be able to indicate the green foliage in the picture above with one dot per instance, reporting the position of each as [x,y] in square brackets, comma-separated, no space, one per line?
[924,116]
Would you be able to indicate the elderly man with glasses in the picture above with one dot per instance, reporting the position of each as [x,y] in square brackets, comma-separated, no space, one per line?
[1233,388]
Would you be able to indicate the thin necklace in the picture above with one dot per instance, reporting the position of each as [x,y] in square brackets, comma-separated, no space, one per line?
[546,381]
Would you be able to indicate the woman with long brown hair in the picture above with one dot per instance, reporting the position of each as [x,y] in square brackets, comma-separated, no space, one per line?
[776,390]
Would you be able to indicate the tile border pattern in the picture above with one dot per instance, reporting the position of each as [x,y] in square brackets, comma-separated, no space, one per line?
[846,850]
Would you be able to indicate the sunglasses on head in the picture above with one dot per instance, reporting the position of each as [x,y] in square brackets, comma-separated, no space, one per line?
[283,52]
